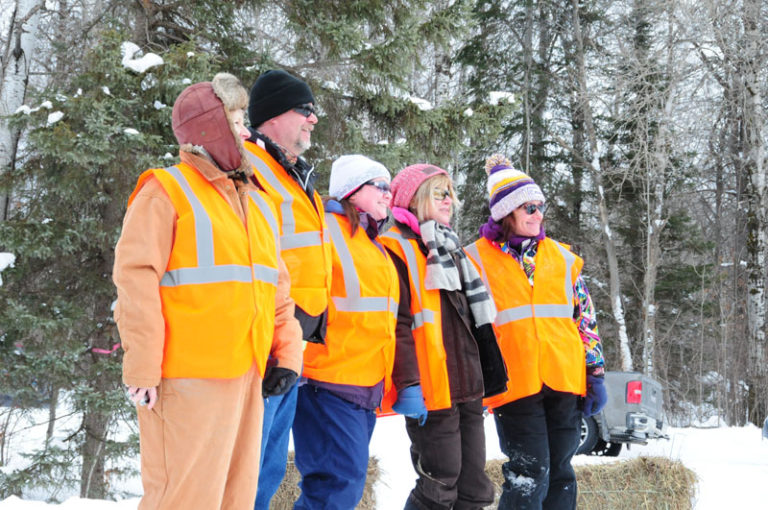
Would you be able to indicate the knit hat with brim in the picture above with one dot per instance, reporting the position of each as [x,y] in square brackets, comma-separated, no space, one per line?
[274,93]
[351,171]
[408,180]
[508,188]
[202,122]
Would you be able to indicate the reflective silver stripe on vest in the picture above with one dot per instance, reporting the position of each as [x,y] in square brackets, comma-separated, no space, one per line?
[209,274]
[290,239]
[207,271]
[570,259]
[203,224]
[425,315]
[527,311]
[353,302]
[266,211]
[263,273]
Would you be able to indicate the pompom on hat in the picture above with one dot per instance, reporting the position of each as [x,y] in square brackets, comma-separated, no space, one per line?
[508,188]
[408,180]
[350,172]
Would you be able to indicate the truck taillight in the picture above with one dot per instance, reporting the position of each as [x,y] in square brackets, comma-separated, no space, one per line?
[634,392]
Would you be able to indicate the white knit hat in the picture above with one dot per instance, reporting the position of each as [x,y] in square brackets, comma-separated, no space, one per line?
[351,171]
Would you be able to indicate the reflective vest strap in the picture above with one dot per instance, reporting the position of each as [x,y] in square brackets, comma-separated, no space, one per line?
[514,314]
[570,258]
[203,224]
[365,304]
[207,274]
[266,212]
[265,274]
[503,316]
[353,302]
[302,240]
[425,315]
[351,280]
[286,207]
[475,254]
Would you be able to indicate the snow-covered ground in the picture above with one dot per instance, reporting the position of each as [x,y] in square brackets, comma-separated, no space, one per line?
[730,462]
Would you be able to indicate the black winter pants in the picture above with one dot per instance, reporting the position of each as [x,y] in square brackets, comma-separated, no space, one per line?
[539,434]
[448,454]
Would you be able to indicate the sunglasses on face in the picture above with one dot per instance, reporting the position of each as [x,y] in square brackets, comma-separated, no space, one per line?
[305,109]
[441,194]
[531,208]
[382,186]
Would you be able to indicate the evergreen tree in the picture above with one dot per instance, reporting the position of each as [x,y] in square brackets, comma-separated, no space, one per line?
[83,157]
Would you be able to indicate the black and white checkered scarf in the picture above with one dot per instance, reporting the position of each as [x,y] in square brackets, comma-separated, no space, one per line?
[442,273]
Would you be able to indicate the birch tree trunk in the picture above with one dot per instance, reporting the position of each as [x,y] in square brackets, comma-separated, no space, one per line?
[596,176]
[16,62]
[753,60]
[656,173]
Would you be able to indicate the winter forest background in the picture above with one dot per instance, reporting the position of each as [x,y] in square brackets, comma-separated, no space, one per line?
[643,121]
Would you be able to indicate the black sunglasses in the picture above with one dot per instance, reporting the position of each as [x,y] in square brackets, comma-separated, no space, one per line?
[531,208]
[382,186]
[305,109]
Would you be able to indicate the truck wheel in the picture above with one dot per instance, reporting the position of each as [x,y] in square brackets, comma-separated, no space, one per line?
[606,449]
[588,437]
[613,449]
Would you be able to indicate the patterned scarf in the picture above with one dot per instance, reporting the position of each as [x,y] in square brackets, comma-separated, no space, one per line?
[442,273]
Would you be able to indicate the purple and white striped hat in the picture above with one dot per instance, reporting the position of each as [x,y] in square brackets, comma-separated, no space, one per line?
[508,188]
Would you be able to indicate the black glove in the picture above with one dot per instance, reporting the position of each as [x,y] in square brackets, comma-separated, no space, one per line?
[277,381]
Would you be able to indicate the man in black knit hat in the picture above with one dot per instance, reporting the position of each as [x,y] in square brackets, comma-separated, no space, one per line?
[282,116]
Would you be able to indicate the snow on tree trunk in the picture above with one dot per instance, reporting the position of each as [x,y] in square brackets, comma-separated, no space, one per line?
[596,175]
[16,62]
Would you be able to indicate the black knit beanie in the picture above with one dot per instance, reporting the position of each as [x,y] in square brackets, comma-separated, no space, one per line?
[275,92]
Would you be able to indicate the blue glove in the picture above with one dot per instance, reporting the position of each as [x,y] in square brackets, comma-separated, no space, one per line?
[596,395]
[410,403]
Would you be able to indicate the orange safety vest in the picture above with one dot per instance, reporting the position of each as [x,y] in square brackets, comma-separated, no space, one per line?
[427,325]
[534,325]
[359,344]
[304,242]
[218,291]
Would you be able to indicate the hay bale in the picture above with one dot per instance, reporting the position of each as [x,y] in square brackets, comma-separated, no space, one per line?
[289,491]
[642,483]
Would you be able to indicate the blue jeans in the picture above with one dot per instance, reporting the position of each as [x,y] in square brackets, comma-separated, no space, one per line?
[331,436]
[278,419]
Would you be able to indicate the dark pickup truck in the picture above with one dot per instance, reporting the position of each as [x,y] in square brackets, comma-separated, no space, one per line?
[633,415]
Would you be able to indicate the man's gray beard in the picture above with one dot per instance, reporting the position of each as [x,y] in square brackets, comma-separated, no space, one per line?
[303,146]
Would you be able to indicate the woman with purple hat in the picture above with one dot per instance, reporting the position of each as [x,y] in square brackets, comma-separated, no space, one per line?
[547,332]
[445,315]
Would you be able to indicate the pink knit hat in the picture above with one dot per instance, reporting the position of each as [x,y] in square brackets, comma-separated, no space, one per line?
[408,180]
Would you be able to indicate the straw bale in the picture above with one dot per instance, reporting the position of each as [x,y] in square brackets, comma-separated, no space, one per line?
[289,490]
[642,483]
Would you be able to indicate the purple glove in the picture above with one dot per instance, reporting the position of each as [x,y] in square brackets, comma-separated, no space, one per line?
[596,395]
[410,403]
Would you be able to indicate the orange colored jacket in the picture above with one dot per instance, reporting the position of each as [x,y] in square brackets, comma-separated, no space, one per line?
[153,240]
[534,326]
[427,326]
[304,241]
[359,344]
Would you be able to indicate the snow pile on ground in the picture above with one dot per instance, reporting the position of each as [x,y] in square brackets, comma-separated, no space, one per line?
[730,462]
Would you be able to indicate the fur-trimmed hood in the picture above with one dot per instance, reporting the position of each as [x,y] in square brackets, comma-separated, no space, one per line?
[203,124]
